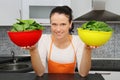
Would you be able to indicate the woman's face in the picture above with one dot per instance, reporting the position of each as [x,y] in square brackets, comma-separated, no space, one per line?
[60,25]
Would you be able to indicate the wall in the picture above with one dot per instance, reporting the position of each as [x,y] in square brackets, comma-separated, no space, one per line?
[110,50]
[81,7]
[113,6]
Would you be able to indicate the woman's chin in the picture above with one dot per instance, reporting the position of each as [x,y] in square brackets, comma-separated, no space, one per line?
[58,37]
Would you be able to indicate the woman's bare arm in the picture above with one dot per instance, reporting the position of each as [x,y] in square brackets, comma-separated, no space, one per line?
[85,65]
[36,61]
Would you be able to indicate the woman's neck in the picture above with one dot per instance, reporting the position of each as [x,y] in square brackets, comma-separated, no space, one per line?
[62,43]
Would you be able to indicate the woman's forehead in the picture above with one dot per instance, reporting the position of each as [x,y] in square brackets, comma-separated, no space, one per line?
[59,14]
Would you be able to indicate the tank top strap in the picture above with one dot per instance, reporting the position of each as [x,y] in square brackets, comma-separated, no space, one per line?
[49,54]
[70,38]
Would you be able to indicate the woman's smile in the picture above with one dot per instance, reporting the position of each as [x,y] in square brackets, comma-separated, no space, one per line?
[60,25]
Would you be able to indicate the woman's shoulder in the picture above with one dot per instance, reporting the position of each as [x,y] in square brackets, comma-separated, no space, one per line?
[45,37]
[76,39]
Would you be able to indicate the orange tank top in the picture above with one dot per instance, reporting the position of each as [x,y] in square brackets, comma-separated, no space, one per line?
[55,67]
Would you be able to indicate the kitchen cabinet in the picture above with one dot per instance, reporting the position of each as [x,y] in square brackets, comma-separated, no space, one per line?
[40,9]
[49,2]
[9,11]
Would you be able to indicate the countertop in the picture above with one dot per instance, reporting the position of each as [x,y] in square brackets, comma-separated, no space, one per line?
[97,65]
[3,60]
[108,75]
[8,59]
[21,65]
[96,73]
[32,76]
[105,65]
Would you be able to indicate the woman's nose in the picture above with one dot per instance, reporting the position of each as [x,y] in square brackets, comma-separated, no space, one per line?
[58,28]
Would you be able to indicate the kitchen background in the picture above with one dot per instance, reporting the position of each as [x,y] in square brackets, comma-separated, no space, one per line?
[25,9]
[111,50]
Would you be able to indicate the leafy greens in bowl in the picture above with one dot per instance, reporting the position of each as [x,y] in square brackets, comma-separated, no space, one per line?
[25,32]
[95,33]
[26,25]
[96,26]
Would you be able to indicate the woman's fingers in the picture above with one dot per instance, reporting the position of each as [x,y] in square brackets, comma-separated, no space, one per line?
[92,47]
[28,47]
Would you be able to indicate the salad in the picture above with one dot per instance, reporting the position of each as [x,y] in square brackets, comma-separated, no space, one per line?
[96,26]
[26,25]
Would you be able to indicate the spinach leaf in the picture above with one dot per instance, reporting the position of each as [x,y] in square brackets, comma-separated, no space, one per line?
[26,25]
[96,26]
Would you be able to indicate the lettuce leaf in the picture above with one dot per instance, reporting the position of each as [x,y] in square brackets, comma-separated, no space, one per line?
[26,25]
[96,26]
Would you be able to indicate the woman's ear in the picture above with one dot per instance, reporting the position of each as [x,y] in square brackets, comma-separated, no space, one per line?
[70,24]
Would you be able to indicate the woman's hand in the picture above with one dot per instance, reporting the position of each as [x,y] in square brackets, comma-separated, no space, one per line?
[30,47]
[91,47]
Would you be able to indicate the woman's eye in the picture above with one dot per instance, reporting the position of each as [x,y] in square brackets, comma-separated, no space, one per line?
[63,24]
[54,24]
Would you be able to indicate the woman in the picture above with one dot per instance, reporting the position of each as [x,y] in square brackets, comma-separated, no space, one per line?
[60,51]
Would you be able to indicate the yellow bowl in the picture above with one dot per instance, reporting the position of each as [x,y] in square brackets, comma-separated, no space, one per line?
[94,38]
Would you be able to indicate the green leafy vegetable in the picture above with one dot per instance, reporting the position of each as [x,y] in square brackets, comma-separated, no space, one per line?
[96,26]
[26,25]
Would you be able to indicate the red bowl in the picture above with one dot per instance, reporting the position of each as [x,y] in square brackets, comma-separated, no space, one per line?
[27,38]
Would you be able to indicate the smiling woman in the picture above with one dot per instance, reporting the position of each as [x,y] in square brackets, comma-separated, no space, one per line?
[60,51]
